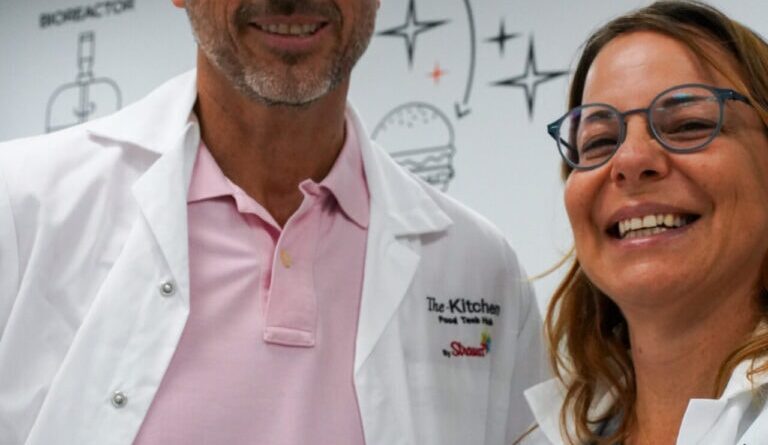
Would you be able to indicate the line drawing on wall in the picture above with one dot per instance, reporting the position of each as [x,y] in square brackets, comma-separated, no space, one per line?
[462,108]
[502,37]
[87,97]
[411,29]
[420,138]
[418,134]
[531,78]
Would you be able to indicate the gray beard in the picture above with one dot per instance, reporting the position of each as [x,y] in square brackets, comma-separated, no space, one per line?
[292,85]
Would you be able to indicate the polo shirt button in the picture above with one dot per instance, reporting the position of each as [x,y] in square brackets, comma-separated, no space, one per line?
[167,288]
[286,259]
[119,399]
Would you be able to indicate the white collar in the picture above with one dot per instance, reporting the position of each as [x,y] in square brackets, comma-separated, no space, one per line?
[546,399]
[156,122]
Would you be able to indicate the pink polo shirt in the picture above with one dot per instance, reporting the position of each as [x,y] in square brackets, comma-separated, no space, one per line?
[267,354]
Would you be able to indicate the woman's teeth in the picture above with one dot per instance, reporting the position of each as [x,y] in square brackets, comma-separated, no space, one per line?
[285,29]
[650,225]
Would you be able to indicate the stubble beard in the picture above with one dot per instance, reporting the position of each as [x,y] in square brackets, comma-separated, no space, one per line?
[289,83]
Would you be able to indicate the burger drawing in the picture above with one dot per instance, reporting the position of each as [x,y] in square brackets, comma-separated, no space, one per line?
[420,138]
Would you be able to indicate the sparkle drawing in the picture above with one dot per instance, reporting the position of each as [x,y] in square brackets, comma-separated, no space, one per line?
[411,29]
[419,134]
[437,73]
[502,38]
[530,80]
[420,138]
[85,98]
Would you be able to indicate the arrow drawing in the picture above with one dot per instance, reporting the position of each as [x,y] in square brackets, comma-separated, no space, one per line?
[462,108]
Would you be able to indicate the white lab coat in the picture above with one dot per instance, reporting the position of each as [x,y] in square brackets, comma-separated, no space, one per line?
[93,221]
[738,417]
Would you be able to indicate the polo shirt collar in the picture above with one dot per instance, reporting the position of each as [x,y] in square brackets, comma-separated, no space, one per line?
[346,180]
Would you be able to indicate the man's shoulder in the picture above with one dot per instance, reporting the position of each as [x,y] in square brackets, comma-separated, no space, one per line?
[131,138]
[57,170]
[38,152]
[163,110]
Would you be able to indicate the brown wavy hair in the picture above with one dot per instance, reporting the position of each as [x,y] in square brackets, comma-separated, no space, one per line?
[587,333]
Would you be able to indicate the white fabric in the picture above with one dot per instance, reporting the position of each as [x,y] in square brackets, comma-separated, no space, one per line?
[739,416]
[93,220]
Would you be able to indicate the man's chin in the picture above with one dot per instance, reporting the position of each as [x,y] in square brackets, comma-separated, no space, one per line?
[278,93]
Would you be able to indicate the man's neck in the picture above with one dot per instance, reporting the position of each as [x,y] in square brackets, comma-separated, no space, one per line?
[269,150]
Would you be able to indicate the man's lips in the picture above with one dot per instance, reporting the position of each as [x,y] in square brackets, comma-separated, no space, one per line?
[290,26]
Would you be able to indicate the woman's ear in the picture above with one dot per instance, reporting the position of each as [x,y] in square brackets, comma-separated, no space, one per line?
[178,3]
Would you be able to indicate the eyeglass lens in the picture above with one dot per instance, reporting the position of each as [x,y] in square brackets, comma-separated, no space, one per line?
[681,119]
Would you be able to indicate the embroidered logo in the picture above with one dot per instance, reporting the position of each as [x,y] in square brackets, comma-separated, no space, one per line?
[485,342]
[458,349]
[463,311]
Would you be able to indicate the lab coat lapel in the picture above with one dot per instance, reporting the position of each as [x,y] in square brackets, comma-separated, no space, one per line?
[400,211]
[389,268]
[161,125]
[162,197]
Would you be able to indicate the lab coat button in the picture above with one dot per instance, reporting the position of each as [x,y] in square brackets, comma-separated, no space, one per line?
[119,399]
[167,288]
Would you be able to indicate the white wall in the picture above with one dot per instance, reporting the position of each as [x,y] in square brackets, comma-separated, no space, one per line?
[500,158]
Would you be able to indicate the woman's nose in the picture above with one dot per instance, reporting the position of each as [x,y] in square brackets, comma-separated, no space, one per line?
[640,158]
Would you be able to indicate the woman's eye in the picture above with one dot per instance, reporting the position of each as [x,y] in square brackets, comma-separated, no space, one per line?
[689,129]
[597,147]
[692,126]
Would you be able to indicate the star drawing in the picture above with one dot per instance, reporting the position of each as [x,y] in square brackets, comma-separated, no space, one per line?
[411,29]
[530,79]
[437,73]
[502,37]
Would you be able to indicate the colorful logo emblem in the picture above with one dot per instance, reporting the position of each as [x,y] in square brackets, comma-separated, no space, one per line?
[458,349]
[485,341]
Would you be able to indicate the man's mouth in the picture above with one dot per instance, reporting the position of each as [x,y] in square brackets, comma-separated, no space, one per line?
[290,30]
[648,225]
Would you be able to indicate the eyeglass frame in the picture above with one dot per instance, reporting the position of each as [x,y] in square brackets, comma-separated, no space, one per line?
[722,95]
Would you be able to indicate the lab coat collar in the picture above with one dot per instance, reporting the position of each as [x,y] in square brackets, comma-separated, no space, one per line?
[155,122]
[546,402]
[740,382]
[702,414]
[408,208]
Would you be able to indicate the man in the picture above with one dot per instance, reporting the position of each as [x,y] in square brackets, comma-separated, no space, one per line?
[231,260]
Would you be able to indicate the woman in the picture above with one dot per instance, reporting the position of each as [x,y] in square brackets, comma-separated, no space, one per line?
[657,332]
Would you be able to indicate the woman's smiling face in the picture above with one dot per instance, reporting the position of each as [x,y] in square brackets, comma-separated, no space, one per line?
[717,197]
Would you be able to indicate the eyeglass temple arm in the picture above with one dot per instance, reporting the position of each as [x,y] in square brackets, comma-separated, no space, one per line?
[734,95]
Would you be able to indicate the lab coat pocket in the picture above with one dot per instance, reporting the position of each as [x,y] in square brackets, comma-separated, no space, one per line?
[449,399]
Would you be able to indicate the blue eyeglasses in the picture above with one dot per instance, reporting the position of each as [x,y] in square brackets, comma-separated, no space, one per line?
[683,119]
